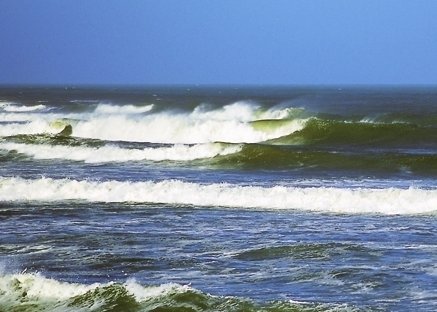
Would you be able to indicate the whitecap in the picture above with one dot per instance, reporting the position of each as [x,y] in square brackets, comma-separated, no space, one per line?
[321,199]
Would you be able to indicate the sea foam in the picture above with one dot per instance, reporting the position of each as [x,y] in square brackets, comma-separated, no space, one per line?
[230,123]
[11,107]
[34,292]
[109,153]
[30,289]
[322,199]
[122,109]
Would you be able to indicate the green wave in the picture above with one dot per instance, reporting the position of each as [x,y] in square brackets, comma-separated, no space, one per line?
[53,139]
[333,132]
[426,120]
[19,294]
[270,125]
[262,156]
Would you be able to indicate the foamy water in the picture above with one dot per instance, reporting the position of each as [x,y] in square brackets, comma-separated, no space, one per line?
[131,123]
[13,107]
[324,199]
[110,153]
[53,295]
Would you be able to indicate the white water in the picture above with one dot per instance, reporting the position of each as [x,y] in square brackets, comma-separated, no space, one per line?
[122,109]
[110,153]
[28,288]
[322,199]
[230,123]
[12,107]
[165,128]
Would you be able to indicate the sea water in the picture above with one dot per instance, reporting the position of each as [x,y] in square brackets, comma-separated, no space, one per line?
[218,199]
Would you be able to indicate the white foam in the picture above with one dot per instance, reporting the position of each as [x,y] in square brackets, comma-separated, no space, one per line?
[230,123]
[38,288]
[116,154]
[284,113]
[4,104]
[177,128]
[122,109]
[10,107]
[33,127]
[240,111]
[323,199]
[11,117]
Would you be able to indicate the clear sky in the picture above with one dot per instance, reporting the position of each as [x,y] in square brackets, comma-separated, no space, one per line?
[218,42]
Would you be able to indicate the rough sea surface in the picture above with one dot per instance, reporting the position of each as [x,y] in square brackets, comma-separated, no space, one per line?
[218,199]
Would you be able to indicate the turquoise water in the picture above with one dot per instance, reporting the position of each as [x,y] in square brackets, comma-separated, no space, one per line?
[218,199]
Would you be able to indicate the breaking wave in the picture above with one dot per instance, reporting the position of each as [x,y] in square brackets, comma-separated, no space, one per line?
[240,122]
[164,128]
[322,199]
[232,123]
[110,153]
[122,109]
[338,132]
[13,107]
[34,292]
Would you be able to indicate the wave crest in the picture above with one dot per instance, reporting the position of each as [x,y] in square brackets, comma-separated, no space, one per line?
[231,123]
[329,132]
[110,153]
[13,107]
[33,292]
[322,199]
[122,109]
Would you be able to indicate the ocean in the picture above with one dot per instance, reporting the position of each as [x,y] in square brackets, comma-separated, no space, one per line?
[218,199]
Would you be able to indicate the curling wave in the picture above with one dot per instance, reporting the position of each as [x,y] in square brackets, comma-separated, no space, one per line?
[234,123]
[323,199]
[338,132]
[231,123]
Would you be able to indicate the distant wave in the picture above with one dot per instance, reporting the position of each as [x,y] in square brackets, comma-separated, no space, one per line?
[27,127]
[331,132]
[164,128]
[122,109]
[217,155]
[12,107]
[110,153]
[322,199]
[231,123]
[262,156]
[240,135]
[240,122]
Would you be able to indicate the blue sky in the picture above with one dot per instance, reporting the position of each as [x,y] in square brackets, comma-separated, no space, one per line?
[218,42]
